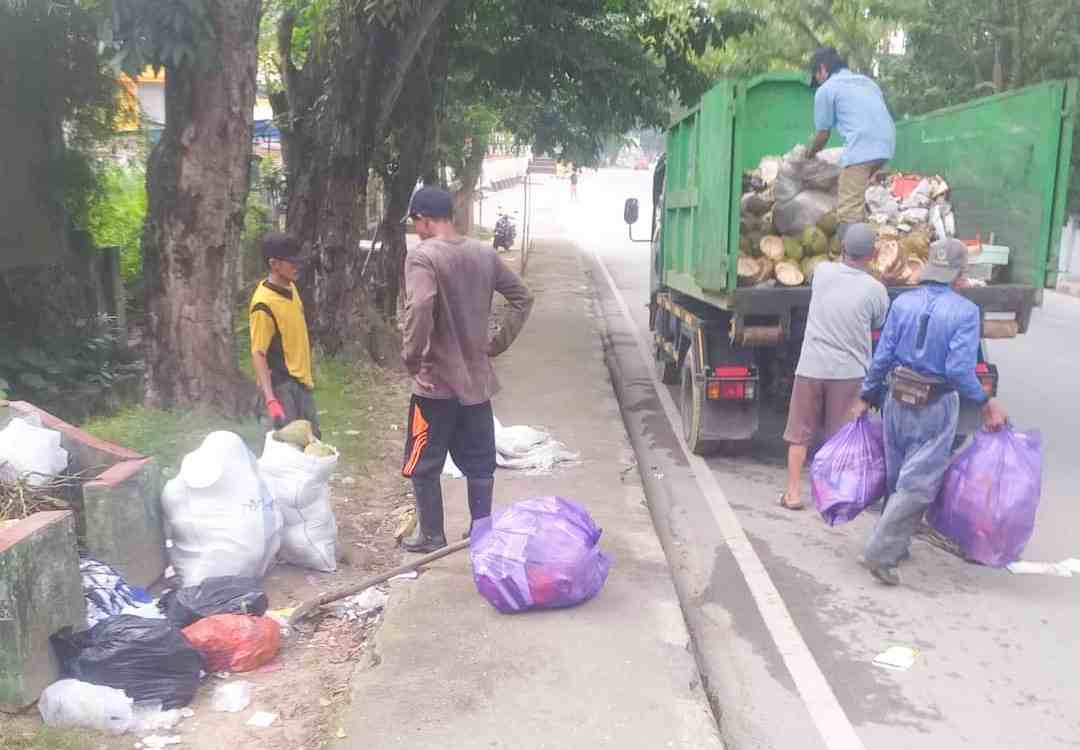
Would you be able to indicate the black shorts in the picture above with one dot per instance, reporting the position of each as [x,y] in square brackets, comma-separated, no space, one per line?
[441,426]
[298,403]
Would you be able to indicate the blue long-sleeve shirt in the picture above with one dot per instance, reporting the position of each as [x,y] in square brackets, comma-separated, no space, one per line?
[949,348]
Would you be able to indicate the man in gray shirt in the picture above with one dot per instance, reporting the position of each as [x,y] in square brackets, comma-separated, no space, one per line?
[448,346]
[846,305]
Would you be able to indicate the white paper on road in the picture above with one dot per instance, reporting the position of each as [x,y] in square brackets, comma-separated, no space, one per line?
[897,658]
[1064,569]
[523,448]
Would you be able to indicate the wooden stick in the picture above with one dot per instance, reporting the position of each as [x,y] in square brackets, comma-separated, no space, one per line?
[306,608]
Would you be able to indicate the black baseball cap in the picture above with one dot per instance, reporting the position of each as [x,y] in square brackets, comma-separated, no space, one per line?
[282,247]
[431,203]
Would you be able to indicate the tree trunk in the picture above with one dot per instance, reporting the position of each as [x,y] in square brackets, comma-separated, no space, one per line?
[340,106]
[472,171]
[197,186]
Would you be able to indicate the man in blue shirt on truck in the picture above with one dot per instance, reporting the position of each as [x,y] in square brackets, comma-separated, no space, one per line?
[854,105]
[924,364]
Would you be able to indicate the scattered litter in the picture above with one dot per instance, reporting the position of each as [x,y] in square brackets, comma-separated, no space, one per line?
[897,658]
[1064,569]
[158,740]
[108,594]
[71,703]
[261,719]
[340,734]
[150,717]
[523,448]
[366,603]
[407,524]
[30,452]
[348,481]
[412,575]
[394,427]
[353,433]
[325,703]
[232,697]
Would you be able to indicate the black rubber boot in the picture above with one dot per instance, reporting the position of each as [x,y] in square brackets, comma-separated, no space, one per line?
[429,535]
[481,492]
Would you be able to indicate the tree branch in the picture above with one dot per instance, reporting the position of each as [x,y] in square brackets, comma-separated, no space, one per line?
[289,73]
[409,48]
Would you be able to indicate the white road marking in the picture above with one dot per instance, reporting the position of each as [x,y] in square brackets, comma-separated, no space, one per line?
[825,711]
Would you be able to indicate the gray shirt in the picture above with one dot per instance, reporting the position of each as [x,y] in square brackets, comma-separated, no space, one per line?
[846,304]
[447,338]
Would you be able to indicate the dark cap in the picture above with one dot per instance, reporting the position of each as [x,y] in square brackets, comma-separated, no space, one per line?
[431,203]
[281,246]
[948,259]
[859,241]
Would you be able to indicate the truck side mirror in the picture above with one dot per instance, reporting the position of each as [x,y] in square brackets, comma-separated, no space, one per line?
[630,211]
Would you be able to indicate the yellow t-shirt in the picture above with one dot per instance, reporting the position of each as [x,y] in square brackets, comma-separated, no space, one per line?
[279,330]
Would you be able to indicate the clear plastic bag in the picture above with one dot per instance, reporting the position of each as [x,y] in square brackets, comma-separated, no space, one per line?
[538,554]
[847,475]
[990,496]
[77,704]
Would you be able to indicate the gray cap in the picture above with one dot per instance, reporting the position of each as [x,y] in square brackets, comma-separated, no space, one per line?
[948,259]
[859,240]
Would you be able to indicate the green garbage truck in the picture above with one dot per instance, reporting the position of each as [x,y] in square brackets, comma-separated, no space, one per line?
[732,349]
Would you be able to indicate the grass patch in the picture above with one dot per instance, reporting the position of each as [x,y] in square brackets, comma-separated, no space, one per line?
[343,396]
[482,233]
[46,738]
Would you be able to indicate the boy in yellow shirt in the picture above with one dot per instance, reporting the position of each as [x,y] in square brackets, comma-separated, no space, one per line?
[280,350]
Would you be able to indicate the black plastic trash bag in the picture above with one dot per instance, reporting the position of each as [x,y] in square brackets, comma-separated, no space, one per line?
[150,660]
[227,595]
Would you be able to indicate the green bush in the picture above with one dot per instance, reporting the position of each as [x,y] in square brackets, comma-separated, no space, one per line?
[116,217]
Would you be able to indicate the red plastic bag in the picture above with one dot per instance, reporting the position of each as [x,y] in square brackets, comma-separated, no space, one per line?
[235,643]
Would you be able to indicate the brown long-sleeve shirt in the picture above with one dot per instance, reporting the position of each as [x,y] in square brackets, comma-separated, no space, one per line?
[450,285]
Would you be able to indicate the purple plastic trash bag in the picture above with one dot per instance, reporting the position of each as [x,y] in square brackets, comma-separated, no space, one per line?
[848,474]
[990,495]
[538,554]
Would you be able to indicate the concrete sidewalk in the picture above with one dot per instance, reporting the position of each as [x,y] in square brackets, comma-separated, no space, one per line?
[449,671]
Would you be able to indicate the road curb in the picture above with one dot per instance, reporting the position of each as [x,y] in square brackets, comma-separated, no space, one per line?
[656,497]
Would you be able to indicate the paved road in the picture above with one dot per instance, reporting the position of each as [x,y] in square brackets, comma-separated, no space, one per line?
[999,662]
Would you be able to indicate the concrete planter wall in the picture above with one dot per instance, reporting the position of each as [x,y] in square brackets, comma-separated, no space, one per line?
[118,519]
[40,593]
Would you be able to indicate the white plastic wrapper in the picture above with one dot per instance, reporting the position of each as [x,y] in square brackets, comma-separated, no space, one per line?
[77,704]
[300,486]
[222,517]
[31,451]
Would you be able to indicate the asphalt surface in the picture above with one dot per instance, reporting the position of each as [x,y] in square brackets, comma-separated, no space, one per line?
[998,658]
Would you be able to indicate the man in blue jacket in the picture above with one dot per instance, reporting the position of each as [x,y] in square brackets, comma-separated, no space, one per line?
[924,364]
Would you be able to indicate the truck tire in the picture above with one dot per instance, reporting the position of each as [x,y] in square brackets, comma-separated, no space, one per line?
[692,405]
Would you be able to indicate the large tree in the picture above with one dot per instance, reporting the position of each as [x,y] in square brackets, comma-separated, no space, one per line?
[197,184]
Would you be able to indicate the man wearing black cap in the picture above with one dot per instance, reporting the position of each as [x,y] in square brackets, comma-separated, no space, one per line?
[280,351]
[854,105]
[450,282]
[846,305]
[924,364]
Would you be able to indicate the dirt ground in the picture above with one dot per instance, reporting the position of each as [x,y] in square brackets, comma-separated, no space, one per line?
[307,684]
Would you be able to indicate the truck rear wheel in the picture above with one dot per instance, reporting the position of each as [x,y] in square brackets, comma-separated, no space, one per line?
[692,405]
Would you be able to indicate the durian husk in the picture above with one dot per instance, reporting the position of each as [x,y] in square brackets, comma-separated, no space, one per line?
[298,433]
[793,249]
[772,247]
[788,273]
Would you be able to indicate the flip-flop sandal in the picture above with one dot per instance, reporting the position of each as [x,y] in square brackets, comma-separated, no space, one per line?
[784,503]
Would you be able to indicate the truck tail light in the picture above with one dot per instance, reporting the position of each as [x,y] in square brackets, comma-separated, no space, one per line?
[731,383]
[988,378]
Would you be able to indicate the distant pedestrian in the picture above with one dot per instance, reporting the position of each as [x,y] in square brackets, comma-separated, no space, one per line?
[448,347]
[573,184]
[854,105]
[846,305]
[925,362]
[280,350]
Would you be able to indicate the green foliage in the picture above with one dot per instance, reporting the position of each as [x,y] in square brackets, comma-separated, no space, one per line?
[116,216]
[141,33]
[41,369]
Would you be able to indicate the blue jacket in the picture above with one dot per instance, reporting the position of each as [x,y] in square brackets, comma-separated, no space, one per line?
[948,349]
